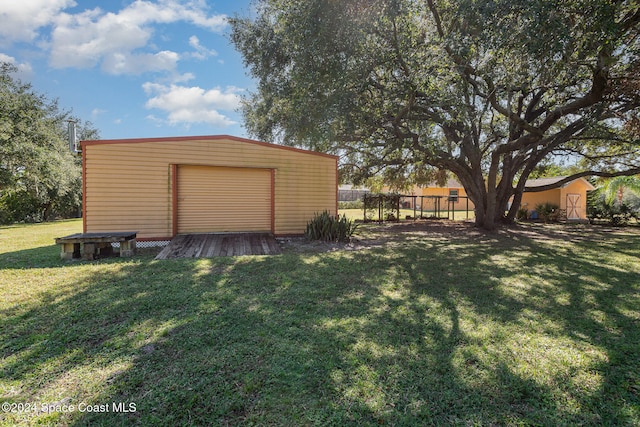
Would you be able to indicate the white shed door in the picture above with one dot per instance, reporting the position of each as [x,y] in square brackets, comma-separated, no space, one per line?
[221,199]
[573,206]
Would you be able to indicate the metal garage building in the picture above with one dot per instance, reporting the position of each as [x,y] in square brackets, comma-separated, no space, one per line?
[161,187]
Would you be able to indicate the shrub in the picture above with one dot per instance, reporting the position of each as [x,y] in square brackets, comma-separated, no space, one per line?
[355,204]
[371,204]
[548,212]
[386,204]
[522,214]
[19,206]
[611,212]
[330,228]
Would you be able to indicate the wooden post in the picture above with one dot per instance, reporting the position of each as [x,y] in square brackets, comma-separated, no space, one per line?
[88,251]
[69,250]
[415,199]
[364,208]
[467,207]
[128,248]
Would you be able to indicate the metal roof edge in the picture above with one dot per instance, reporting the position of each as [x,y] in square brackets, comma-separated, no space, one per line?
[203,138]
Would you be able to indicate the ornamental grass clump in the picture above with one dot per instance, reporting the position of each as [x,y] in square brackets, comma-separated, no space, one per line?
[330,228]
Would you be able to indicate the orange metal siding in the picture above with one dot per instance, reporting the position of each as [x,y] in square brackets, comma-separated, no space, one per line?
[129,184]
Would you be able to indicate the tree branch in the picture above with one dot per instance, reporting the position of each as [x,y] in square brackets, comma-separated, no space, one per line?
[595,94]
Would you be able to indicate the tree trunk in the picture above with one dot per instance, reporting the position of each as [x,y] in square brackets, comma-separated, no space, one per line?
[485,211]
[486,219]
[489,198]
[490,209]
[479,217]
[490,218]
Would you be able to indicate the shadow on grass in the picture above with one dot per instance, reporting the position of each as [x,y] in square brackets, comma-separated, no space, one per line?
[42,257]
[483,329]
[49,257]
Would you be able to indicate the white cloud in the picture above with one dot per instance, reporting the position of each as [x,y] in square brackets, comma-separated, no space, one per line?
[24,69]
[158,122]
[96,112]
[21,19]
[201,52]
[188,105]
[117,40]
[7,58]
[126,63]
[183,78]
[84,39]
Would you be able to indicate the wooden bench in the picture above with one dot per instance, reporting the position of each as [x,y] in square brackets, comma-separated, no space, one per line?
[95,245]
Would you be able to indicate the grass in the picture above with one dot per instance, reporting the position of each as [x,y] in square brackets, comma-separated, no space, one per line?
[535,326]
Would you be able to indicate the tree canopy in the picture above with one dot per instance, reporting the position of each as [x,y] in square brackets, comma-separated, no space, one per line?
[614,188]
[39,177]
[484,89]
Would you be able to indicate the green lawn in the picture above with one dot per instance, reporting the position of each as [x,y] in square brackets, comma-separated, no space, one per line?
[423,326]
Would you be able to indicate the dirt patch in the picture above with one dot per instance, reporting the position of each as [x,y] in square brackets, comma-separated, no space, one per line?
[302,245]
[380,235]
[568,232]
[374,235]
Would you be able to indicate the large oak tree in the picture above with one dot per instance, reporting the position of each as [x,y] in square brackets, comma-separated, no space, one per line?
[39,177]
[485,89]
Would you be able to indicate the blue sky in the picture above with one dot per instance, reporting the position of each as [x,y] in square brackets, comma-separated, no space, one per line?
[135,69]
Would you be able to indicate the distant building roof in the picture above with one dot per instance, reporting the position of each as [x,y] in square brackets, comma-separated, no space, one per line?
[543,182]
[451,183]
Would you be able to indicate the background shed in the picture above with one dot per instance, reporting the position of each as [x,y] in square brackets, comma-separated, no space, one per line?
[161,187]
[571,197]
